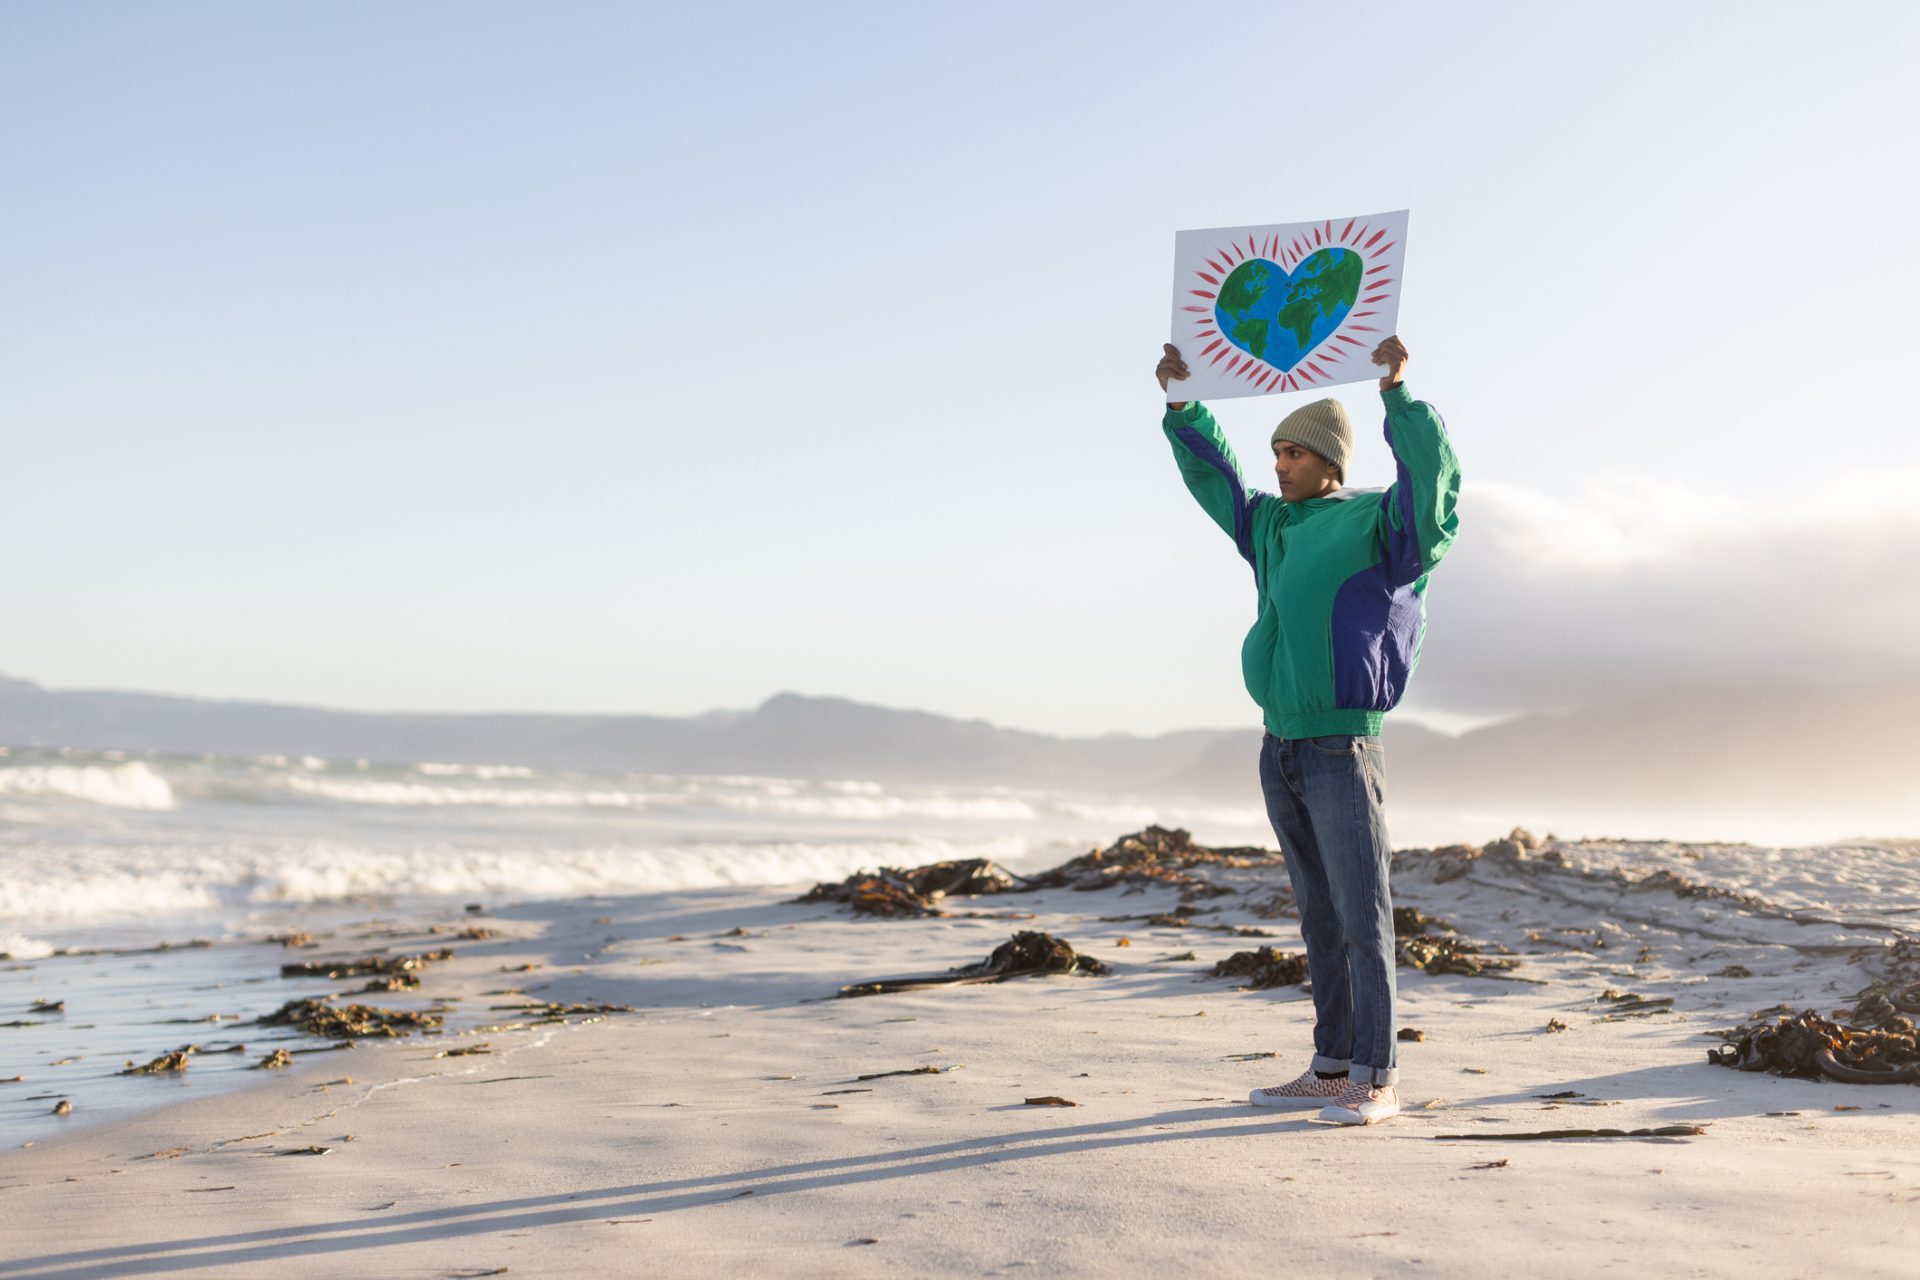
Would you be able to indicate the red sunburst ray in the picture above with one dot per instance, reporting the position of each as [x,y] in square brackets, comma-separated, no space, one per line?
[1209,279]
[1377,297]
[1383,248]
[1199,293]
[1385,266]
[1316,368]
[1376,235]
[1347,228]
[1208,349]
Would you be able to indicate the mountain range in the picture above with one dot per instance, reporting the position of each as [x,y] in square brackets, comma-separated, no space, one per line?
[1847,749]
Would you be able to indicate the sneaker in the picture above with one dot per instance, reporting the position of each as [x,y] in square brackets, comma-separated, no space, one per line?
[1305,1090]
[1362,1103]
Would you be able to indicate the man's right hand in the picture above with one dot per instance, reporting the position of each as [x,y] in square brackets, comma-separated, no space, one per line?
[1171,368]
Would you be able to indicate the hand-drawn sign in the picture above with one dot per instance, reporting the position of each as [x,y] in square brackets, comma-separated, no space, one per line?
[1260,310]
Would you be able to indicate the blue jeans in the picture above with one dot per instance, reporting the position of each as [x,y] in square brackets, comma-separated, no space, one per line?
[1324,798]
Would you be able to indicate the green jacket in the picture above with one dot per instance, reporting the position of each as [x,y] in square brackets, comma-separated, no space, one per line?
[1341,580]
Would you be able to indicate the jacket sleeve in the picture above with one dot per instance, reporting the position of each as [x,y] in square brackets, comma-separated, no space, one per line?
[1213,476]
[1418,517]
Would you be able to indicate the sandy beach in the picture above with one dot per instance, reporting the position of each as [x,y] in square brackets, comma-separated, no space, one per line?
[724,1127]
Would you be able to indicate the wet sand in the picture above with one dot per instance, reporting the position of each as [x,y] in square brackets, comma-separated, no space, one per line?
[722,1128]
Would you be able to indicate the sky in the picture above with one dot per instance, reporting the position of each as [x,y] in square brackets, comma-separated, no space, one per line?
[642,358]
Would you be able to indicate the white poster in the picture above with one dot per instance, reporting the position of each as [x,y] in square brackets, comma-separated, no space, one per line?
[1292,307]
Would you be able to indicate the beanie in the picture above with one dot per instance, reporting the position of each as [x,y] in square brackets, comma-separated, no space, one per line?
[1322,427]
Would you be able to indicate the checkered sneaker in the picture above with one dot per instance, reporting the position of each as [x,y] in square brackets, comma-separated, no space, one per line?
[1304,1090]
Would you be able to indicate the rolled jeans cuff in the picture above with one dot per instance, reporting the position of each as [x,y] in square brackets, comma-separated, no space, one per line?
[1332,1066]
[1376,1076]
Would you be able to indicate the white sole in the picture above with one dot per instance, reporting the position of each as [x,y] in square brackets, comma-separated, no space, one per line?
[1346,1115]
[1284,1103]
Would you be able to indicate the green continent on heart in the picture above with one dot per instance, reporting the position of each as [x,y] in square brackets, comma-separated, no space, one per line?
[1334,285]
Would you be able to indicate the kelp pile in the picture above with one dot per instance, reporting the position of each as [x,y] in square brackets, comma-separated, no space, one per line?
[891,891]
[349,1022]
[367,966]
[1872,1042]
[1026,954]
[1263,969]
[1154,856]
[1810,1047]
[1434,946]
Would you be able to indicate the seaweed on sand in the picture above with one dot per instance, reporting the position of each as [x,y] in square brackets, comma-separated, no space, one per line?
[1263,969]
[1154,856]
[892,891]
[366,966]
[1024,955]
[349,1022]
[1811,1047]
[1431,953]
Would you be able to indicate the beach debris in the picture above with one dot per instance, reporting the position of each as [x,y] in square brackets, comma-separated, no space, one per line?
[832,1092]
[162,1065]
[64,1107]
[1475,1071]
[1491,1164]
[1431,953]
[349,1022]
[473,1273]
[551,1012]
[1026,954]
[202,1190]
[392,982]
[1810,1047]
[892,891]
[1248,1057]
[278,1058]
[1411,1035]
[1051,1100]
[1627,1004]
[48,1006]
[910,1071]
[1123,942]
[303,1151]
[467,1052]
[1263,969]
[366,966]
[1153,856]
[18,1079]
[1663,1131]
[296,938]
[1184,955]
[1410,921]
[1555,1025]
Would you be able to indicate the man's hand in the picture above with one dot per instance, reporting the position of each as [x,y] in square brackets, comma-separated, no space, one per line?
[1172,367]
[1391,353]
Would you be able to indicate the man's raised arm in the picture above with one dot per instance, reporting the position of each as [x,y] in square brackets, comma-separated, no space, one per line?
[1206,460]
[1419,516]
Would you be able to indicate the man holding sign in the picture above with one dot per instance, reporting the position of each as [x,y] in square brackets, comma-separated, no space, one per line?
[1340,576]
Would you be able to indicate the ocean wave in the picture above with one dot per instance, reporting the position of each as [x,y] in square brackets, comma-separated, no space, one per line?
[984,809]
[123,786]
[484,772]
[375,791]
[46,884]
[18,946]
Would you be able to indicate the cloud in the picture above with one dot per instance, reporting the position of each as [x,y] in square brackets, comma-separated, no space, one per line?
[1636,585]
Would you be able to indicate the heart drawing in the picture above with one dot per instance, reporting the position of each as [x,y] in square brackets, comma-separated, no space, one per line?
[1279,316]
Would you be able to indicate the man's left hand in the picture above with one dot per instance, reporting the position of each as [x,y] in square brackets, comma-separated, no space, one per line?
[1393,354]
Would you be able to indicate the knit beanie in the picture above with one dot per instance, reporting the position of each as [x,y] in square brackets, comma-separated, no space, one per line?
[1322,427]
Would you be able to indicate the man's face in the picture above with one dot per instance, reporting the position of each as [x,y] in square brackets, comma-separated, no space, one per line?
[1302,473]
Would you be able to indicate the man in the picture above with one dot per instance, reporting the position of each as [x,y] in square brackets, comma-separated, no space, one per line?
[1341,576]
